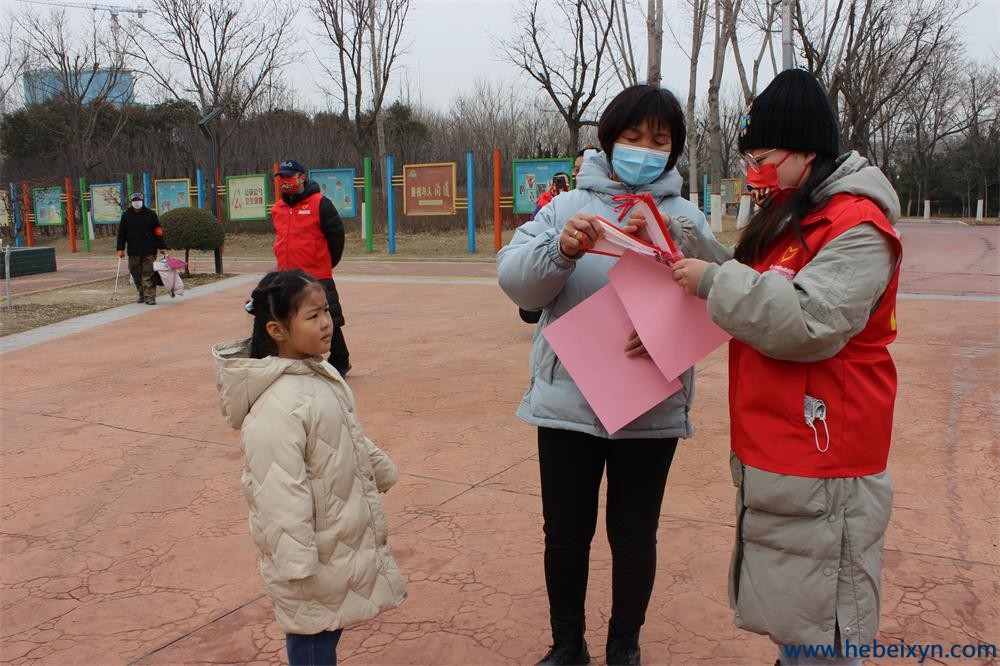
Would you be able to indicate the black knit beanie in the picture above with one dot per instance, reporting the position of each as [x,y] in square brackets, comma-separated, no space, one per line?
[791,113]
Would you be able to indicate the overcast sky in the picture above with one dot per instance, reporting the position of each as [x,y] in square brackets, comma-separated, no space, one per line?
[450,44]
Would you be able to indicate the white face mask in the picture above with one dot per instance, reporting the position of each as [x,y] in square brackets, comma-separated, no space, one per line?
[137,205]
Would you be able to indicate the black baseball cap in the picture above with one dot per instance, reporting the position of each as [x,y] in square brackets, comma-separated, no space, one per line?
[290,167]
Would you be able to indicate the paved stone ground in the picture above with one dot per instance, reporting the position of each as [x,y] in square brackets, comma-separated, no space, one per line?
[124,534]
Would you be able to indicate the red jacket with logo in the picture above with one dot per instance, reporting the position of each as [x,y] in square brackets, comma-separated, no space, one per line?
[299,241]
[774,425]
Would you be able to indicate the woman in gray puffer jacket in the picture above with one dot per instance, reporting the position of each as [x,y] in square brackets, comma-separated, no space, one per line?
[642,135]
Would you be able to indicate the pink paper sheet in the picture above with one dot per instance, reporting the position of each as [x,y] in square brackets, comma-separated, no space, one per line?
[589,341]
[674,326]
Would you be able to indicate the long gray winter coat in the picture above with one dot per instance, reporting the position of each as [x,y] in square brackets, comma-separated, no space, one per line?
[808,554]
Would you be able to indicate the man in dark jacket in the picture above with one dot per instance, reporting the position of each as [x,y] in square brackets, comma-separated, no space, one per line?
[309,235]
[140,230]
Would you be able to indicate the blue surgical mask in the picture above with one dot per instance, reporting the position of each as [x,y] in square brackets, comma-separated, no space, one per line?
[638,166]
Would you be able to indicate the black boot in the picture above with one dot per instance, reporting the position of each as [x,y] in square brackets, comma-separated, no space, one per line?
[623,647]
[568,646]
[529,316]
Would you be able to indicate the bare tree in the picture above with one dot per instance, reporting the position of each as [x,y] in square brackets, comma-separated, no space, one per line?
[566,56]
[760,18]
[932,109]
[868,53]
[366,38]
[623,54]
[981,107]
[699,20]
[13,60]
[654,42]
[85,76]
[726,13]
[217,53]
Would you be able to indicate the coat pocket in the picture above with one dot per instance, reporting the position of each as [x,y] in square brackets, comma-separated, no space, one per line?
[318,489]
[784,495]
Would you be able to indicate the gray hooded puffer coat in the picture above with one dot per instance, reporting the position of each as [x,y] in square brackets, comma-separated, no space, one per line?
[536,275]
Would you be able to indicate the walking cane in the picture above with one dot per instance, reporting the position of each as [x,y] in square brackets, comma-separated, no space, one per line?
[118,274]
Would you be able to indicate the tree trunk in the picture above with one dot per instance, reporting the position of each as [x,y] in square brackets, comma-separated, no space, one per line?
[714,121]
[654,37]
[376,90]
[697,35]
[382,152]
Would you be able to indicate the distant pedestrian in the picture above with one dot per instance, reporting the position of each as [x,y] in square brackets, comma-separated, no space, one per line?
[309,235]
[141,236]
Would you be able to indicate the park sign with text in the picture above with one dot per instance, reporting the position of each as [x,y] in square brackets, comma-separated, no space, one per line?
[246,197]
[732,190]
[48,206]
[429,189]
[6,212]
[106,203]
[337,185]
[171,193]
[532,177]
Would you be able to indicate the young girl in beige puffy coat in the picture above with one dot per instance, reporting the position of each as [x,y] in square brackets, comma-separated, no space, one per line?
[310,476]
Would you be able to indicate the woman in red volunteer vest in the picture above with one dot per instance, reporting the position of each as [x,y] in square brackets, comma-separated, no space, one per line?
[809,297]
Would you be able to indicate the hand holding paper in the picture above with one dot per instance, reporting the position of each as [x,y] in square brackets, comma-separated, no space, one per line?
[673,327]
[615,241]
[588,341]
[688,274]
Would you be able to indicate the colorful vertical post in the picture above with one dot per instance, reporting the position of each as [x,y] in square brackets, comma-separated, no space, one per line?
[71,213]
[470,191]
[84,214]
[497,222]
[218,197]
[26,200]
[277,184]
[130,188]
[147,187]
[200,181]
[17,217]
[369,206]
[390,202]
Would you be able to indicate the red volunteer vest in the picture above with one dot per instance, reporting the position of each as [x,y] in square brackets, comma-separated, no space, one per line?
[298,239]
[769,428]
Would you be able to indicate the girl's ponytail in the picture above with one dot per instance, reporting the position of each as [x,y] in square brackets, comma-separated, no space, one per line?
[275,298]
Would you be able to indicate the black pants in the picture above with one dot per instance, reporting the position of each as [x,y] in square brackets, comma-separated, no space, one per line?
[340,358]
[572,465]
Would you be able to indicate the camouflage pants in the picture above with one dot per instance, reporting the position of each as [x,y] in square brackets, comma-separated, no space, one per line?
[141,269]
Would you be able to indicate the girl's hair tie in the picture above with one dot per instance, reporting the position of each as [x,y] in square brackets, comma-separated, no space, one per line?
[248,306]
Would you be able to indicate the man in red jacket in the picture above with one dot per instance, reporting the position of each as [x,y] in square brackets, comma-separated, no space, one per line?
[309,235]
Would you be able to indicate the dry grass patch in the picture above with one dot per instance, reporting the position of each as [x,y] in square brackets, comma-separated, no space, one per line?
[41,308]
